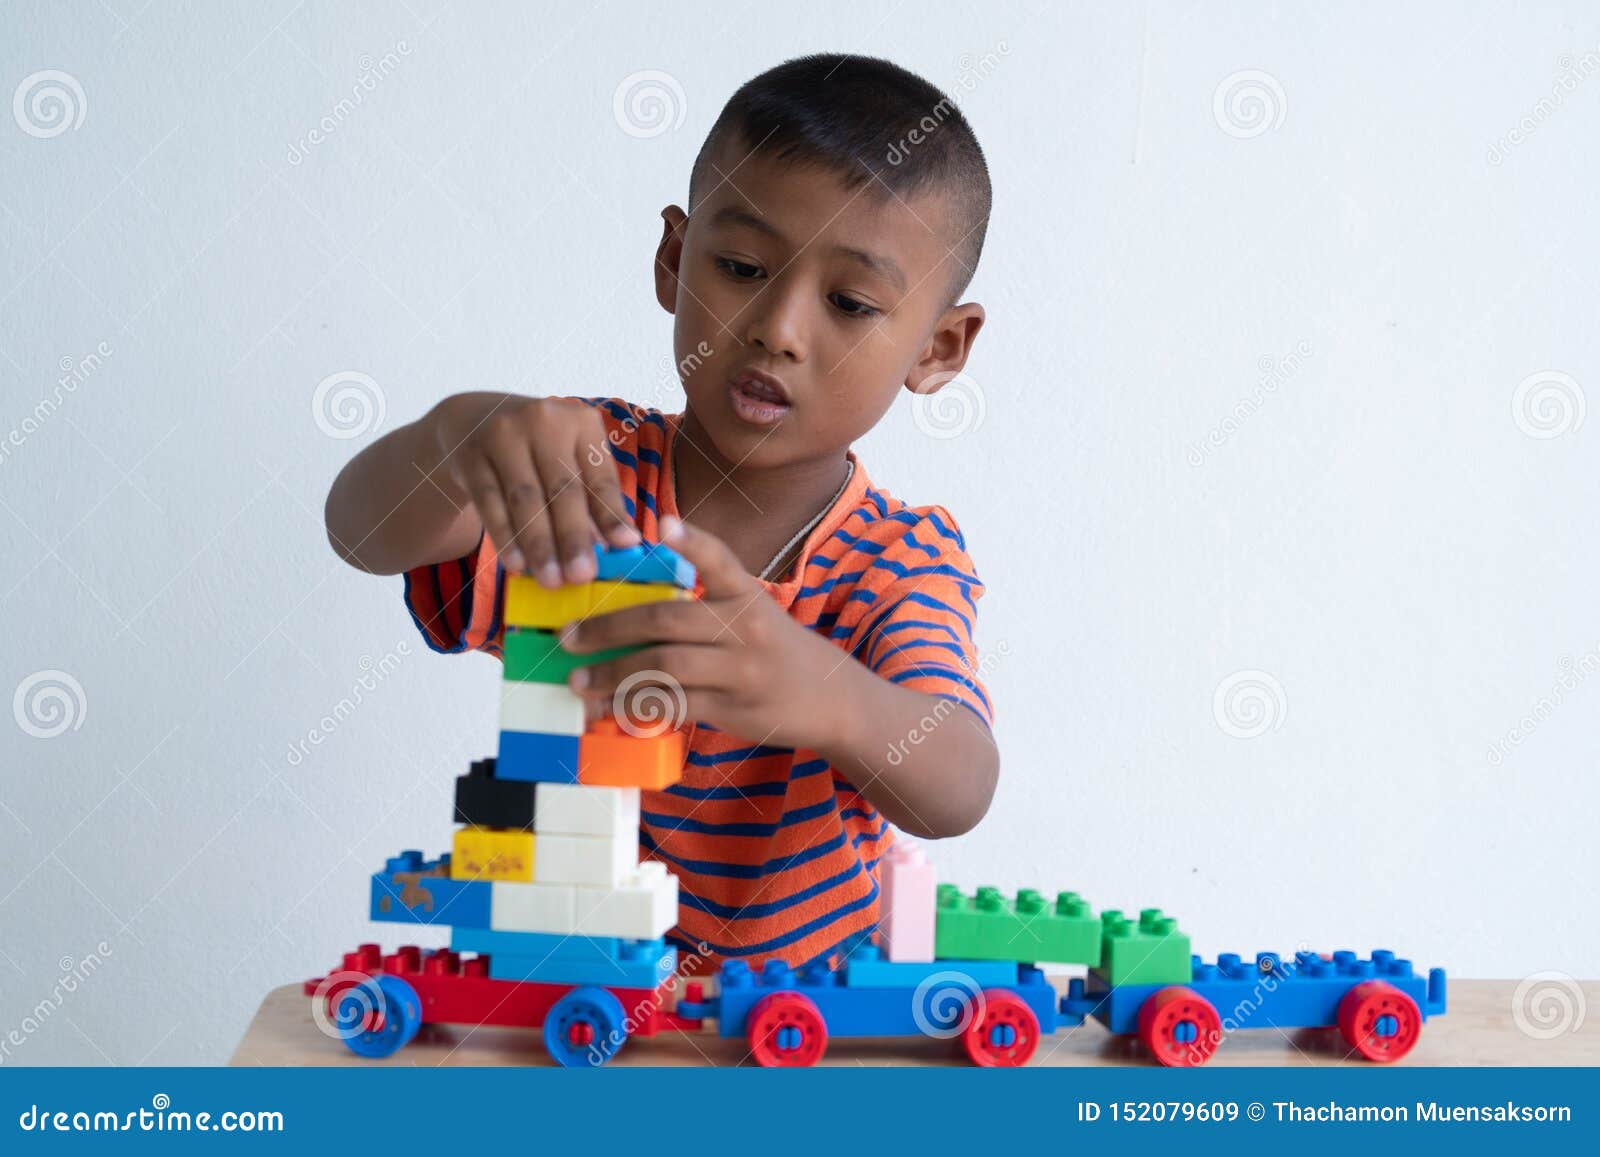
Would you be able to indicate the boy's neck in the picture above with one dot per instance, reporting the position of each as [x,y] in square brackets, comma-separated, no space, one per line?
[755,511]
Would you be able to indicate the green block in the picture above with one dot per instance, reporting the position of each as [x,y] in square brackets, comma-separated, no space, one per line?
[1027,929]
[538,657]
[1152,951]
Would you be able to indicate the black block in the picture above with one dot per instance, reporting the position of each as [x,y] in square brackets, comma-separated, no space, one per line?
[493,803]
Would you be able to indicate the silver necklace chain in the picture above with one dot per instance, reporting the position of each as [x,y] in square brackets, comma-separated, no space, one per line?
[800,535]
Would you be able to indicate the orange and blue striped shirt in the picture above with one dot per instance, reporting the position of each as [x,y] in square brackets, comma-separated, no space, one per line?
[775,851]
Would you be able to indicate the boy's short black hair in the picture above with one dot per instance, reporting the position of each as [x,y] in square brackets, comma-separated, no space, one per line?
[868,120]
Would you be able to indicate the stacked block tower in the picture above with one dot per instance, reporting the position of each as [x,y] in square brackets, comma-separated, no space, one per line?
[543,879]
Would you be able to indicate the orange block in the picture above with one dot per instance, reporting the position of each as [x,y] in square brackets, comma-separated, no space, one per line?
[609,757]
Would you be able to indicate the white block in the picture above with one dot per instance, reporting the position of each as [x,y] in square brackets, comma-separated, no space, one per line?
[643,908]
[518,907]
[545,707]
[594,861]
[574,809]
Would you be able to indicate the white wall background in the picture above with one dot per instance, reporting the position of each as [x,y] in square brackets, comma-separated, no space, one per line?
[1388,536]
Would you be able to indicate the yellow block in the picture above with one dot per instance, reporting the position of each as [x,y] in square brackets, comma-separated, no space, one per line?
[530,605]
[492,854]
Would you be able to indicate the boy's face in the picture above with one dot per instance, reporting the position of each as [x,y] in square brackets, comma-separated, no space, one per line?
[803,306]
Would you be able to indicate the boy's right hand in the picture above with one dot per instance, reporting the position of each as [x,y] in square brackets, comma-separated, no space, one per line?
[539,473]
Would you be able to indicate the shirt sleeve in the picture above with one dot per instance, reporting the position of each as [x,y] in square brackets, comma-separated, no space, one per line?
[922,638]
[456,604]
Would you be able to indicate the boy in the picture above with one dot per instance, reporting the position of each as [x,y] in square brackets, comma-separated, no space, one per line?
[829,670]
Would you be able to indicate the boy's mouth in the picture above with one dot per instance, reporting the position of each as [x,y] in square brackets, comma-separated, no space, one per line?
[758,398]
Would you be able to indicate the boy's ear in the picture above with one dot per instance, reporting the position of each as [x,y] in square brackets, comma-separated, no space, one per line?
[945,355]
[669,254]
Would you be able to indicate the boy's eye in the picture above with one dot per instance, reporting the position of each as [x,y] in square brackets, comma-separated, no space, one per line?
[850,307]
[740,269]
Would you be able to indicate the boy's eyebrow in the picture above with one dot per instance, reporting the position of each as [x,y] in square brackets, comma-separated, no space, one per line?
[873,262]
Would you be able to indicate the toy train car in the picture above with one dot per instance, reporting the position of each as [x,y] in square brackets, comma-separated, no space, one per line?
[947,965]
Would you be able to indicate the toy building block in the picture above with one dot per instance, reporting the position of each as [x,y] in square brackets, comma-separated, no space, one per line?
[908,887]
[536,757]
[610,961]
[533,656]
[484,799]
[411,890]
[548,708]
[535,907]
[530,605]
[651,562]
[848,1011]
[643,907]
[492,854]
[566,809]
[1152,951]
[592,861]
[988,926]
[867,968]
[609,757]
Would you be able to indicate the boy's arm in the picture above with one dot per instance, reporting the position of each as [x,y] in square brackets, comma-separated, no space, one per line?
[927,761]
[535,473]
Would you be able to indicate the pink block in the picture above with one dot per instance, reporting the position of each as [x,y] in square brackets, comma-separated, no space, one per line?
[907,884]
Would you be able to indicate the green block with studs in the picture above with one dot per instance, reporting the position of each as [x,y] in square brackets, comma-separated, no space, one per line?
[1149,951]
[533,656]
[1027,928]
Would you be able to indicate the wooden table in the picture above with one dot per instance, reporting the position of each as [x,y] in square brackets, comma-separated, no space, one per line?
[1479,1030]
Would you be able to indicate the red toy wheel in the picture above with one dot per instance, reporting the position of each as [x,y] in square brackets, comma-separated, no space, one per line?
[786,1030]
[1180,1027]
[1003,1031]
[1379,1021]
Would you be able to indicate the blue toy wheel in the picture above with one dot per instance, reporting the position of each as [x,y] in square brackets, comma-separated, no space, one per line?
[378,1017]
[585,1027]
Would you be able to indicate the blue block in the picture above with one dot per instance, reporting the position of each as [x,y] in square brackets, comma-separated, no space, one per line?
[411,890]
[1267,992]
[552,959]
[650,563]
[866,968]
[850,1011]
[537,757]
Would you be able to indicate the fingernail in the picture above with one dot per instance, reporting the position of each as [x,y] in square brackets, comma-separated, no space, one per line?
[581,568]
[580,679]
[670,528]
[550,574]
[567,638]
[512,560]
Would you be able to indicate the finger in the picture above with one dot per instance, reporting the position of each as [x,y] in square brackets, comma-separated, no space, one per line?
[669,621]
[721,573]
[524,499]
[679,667]
[604,488]
[483,484]
[569,512]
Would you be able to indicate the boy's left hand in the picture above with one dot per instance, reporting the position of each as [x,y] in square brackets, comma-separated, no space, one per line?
[732,658]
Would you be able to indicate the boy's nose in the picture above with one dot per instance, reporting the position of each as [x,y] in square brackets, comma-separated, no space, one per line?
[776,322]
